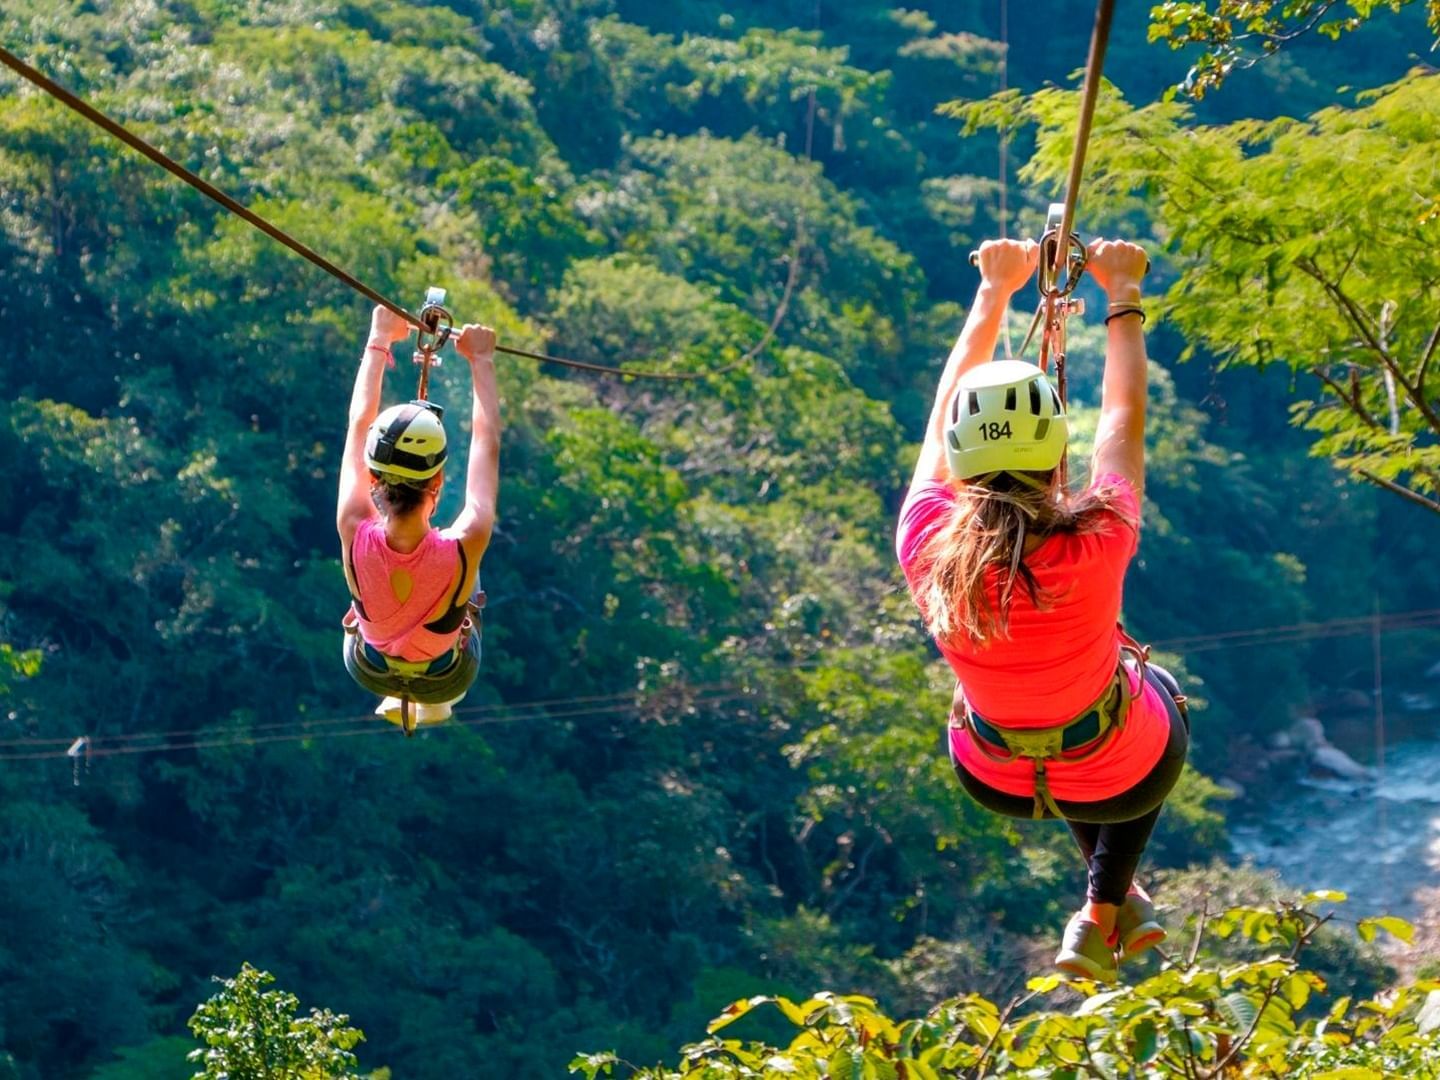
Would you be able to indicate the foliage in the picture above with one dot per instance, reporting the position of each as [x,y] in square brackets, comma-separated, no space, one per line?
[22,664]
[1277,265]
[1199,1016]
[251,1033]
[1238,33]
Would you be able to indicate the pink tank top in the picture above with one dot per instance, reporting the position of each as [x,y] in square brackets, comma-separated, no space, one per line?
[395,627]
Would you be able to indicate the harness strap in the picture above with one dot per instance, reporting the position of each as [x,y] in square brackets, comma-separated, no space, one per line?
[1042,745]
[351,576]
[456,613]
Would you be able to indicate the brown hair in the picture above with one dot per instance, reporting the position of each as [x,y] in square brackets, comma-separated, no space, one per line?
[987,527]
[394,497]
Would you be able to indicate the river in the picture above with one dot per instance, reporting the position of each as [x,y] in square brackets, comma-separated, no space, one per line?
[1379,842]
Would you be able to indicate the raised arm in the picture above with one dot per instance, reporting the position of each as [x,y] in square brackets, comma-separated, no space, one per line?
[482,474]
[353,504]
[1117,267]
[1005,266]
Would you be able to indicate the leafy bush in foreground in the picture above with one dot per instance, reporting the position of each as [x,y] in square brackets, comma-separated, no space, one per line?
[1202,1016]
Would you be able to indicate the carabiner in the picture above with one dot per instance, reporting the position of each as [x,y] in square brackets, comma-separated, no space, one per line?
[436,323]
[1046,279]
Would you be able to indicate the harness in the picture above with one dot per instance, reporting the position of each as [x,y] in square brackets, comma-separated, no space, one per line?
[412,681]
[1075,740]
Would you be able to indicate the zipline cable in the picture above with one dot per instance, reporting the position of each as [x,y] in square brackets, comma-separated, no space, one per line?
[170,165]
[1004,162]
[1094,66]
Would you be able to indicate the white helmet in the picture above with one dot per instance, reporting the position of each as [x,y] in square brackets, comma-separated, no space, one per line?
[407,442]
[1005,417]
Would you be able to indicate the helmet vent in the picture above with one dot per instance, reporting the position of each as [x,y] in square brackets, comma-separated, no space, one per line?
[1054,394]
[1034,397]
[974,403]
[1041,428]
[1010,400]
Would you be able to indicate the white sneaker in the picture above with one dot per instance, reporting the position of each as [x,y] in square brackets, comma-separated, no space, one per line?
[433,714]
[389,708]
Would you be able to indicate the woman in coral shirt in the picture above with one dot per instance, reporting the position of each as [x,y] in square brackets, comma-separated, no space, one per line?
[1019,580]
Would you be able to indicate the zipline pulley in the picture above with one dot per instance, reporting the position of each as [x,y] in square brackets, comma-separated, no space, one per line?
[435,329]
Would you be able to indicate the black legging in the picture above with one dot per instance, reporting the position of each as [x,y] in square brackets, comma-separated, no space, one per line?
[1113,832]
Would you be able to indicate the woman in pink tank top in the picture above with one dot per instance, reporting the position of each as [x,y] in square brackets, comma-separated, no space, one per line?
[412,630]
[1019,580]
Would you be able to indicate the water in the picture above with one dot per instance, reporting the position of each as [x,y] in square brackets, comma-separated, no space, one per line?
[1379,842]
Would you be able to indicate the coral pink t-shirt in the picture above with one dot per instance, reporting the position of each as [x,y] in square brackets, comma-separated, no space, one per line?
[1058,658]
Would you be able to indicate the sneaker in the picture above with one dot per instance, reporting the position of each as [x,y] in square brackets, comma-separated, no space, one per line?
[432,714]
[1136,925]
[389,708]
[1086,951]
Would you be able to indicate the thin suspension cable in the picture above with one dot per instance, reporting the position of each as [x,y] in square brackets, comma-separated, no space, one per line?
[537,707]
[366,725]
[301,727]
[170,165]
[1404,620]
[1094,66]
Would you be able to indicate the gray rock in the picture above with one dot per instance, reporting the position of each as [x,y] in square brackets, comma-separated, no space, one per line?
[1308,731]
[1333,760]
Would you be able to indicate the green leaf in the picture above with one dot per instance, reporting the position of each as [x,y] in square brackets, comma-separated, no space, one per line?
[1427,1019]
[1146,1041]
[1393,925]
[1099,1001]
[734,1011]
[1237,1011]
[593,1064]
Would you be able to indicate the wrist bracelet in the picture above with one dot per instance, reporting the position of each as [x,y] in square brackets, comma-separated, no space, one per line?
[383,351]
[1127,309]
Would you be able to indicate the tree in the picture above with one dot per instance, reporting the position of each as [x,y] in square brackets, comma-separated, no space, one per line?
[1281,264]
[1203,1014]
[1240,33]
[251,1033]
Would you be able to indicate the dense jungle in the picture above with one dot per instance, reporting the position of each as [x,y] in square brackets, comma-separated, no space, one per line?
[703,760]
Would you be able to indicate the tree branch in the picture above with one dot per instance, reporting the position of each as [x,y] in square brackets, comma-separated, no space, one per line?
[1358,318]
[1009,1011]
[1401,490]
[1350,397]
[1425,359]
[1362,324]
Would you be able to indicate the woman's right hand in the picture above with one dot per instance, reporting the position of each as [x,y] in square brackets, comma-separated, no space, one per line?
[1008,264]
[386,327]
[476,343]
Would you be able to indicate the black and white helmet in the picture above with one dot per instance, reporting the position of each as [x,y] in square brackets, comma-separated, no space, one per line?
[407,442]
